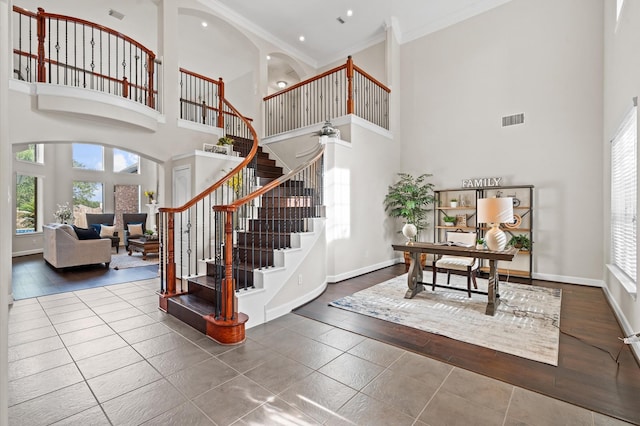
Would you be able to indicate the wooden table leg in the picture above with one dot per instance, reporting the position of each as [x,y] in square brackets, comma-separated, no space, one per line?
[493,297]
[414,277]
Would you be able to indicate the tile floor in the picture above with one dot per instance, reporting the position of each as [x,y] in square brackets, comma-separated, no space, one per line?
[107,356]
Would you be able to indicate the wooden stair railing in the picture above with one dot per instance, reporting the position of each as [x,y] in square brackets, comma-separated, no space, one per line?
[195,218]
[346,89]
[253,228]
[74,52]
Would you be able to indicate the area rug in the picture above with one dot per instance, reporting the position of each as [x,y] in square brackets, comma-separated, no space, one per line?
[123,260]
[527,322]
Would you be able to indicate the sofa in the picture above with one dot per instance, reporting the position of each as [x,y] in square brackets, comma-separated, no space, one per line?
[63,248]
[97,220]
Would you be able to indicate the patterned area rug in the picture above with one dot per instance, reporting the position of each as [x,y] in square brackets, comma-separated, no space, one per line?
[122,260]
[526,324]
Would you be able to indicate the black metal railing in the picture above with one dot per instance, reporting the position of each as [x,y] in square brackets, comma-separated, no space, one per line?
[58,49]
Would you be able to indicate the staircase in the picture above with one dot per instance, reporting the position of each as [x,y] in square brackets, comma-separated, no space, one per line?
[268,227]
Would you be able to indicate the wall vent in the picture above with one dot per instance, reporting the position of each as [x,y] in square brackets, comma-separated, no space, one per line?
[511,120]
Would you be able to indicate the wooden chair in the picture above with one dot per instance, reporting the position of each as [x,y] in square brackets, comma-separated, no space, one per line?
[458,263]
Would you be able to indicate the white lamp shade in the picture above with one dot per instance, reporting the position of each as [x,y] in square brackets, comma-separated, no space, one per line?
[495,210]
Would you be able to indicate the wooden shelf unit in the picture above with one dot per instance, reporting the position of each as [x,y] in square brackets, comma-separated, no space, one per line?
[522,265]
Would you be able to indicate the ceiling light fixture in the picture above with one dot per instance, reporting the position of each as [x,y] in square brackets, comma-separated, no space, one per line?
[268,57]
[205,24]
[301,38]
[281,84]
[349,12]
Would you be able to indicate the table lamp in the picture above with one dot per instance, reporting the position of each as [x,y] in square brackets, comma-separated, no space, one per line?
[495,211]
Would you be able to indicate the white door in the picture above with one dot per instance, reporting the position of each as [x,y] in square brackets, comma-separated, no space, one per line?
[181,194]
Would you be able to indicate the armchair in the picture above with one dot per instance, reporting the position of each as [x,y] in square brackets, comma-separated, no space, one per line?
[96,220]
[130,220]
[458,263]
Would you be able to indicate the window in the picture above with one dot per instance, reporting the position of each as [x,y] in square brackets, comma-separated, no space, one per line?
[28,201]
[87,198]
[623,199]
[125,162]
[32,154]
[88,157]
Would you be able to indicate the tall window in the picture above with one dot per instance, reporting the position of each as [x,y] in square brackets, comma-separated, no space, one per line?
[87,198]
[32,154]
[28,197]
[88,157]
[125,162]
[623,196]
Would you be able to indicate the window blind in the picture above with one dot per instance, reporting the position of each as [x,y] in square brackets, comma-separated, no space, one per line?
[623,195]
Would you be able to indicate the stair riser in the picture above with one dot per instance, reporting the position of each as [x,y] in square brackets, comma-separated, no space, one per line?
[187,316]
[284,225]
[301,201]
[202,292]
[242,279]
[265,240]
[285,212]
[255,257]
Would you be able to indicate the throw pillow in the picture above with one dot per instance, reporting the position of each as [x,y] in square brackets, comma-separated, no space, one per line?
[107,231]
[86,234]
[95,226]
[135,229]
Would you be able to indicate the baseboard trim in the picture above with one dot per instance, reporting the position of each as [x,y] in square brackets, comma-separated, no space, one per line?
[626,327]
[569,280]
[27,252]
[362,271]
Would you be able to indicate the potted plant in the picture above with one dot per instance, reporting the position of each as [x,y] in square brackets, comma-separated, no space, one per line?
[520,241]
[227,143]
[453,202]
[449,220]
[480,244]
[409,199]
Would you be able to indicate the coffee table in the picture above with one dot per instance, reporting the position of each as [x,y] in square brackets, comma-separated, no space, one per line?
[144,246]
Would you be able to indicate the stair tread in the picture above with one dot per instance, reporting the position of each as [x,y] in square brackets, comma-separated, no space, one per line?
[204,281]
[194,303]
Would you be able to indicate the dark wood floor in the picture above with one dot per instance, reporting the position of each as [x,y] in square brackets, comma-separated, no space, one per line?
[587,374]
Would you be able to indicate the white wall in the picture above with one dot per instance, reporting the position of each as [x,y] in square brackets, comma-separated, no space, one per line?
[541,58]
[621,84]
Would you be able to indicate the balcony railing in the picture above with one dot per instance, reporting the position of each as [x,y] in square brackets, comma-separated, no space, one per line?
[346,89]
[58,49]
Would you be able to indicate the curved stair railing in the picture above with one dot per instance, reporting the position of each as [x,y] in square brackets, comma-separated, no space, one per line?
[59,49]
[246,234]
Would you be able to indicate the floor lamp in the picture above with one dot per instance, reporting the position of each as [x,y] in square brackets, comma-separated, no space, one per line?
[495,211]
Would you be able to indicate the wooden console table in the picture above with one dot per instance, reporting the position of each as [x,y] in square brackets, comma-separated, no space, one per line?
[414,278]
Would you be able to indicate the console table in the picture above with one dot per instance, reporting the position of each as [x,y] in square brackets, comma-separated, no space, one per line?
[414,277]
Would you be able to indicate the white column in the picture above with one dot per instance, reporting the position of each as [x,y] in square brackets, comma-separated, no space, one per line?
[6,205]
[151,223]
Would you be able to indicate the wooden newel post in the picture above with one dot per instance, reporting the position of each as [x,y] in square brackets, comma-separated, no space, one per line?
[220,103]
[171,255]
[151,60]
[228,307]
[42,30]
[350,85]
[125,87]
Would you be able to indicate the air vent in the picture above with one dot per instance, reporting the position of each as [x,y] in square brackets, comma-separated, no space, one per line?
[511,120]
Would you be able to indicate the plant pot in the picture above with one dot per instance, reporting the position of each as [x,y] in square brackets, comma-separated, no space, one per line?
[449,223]
[479,247]
[453,204]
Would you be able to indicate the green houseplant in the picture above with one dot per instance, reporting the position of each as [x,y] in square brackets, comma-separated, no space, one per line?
[409,199]
[225,141]
[520,241]
[449,220]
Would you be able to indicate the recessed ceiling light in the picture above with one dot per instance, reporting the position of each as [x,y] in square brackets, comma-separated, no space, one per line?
[349,12]
[281,84]
[205,24]
[268,57]
[301,38]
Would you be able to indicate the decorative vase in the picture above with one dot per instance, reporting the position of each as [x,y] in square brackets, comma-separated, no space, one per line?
[409,230]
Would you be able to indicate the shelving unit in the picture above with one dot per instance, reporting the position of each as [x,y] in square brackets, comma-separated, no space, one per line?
[466,211]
